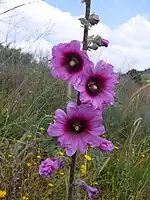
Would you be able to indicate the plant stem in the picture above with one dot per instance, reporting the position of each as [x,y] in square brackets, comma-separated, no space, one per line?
[87,14]
[71,179]
[73,158]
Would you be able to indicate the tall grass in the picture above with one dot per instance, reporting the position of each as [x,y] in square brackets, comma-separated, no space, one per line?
[28,98]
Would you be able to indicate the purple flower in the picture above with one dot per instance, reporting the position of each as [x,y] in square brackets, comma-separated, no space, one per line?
[98,85]
[68,61]
[78,128]
[104,42]
[49,165]
[92,192]
[105,145]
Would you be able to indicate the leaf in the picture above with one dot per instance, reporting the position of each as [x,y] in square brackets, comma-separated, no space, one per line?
[84,22]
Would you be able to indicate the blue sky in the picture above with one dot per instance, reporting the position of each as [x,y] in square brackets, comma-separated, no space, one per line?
[129,39]
[112,12]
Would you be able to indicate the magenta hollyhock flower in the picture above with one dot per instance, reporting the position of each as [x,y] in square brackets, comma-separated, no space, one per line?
[92,192]
[105,146]
[98,85]
[68,61]
[49,165]
[77,128]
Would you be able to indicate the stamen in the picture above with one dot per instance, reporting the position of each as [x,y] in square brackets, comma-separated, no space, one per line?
[72,63]
[77,128]
[92,86]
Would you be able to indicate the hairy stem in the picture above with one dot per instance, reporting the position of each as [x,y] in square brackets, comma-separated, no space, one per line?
[73,158]
[71,179]
[87,14]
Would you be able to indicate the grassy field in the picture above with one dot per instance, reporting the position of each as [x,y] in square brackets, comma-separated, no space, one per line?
[28,98]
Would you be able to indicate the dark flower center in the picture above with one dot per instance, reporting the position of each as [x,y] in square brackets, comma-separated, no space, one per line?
[95,85]
[77,126]
[73,62]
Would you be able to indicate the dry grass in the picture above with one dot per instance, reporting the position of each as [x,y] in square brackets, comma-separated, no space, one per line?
[28,99]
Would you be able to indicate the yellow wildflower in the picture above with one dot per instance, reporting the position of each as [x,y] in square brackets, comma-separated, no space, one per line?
[42,129]
[28,164]
[83,169]
[38,156]
[2,194]
[147,81]
[103,136]
[87,157]
[116,147]
[9,156]
[61,173]
[25,198]
[95,183]
[29,136]
[34,174]
[61,153]
[50,185]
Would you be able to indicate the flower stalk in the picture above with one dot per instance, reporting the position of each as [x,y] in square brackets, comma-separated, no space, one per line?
[85,46]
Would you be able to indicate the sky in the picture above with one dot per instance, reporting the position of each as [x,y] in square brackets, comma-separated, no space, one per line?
[38,26]
[112,12]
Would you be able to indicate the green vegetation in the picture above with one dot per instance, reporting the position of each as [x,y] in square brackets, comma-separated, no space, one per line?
[29,97]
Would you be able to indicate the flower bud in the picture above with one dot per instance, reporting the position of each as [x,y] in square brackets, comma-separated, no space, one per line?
[94,46]
[94,19]
[49,165]
[100,41]
[104,43]
[92,192]
[105,146]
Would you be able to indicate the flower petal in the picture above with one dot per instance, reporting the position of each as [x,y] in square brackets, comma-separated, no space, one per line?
[72,109]
[58,163]
[105,145]
[60,115]
[55,129]
[103,68]
[64,140]
[76,45]
[92,140]
[82,146]
[98,130]
[73,147]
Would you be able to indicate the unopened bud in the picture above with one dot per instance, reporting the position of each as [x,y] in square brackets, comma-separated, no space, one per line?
[94,19]
[94,46]
[104,43]
[100,41]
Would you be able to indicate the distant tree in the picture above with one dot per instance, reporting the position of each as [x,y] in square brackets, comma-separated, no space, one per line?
[26,58]
[135,75]
[14,56]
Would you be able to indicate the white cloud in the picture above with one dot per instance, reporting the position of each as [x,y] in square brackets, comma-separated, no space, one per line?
[38,26]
